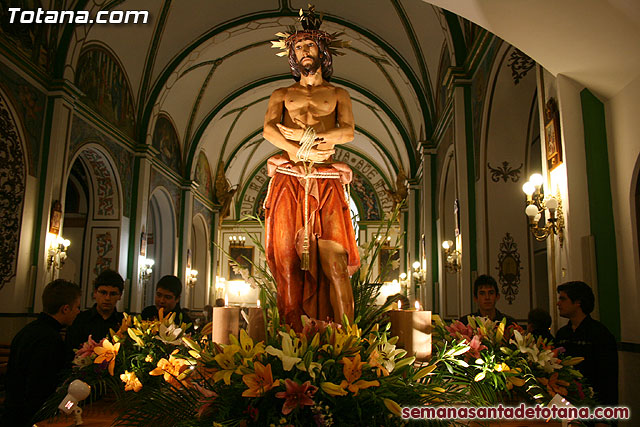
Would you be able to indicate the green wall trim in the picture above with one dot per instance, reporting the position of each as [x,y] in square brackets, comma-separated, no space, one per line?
[472,247]
[435,247]
[601,209]
[133,235]
[459,46]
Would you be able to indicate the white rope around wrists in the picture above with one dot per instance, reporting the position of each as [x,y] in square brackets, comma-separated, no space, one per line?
[306,144]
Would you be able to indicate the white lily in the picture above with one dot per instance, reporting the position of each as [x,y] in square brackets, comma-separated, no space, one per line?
[169,334]
[388,353]
[289,353]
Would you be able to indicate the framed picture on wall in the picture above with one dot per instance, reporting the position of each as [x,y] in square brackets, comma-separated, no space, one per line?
[241,255]
[389,264]
[553,143]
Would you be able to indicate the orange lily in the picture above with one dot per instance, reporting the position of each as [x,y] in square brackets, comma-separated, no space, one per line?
[555,385]
[352,372]
[131,381]
[375,361]
[260,382]
[172,369]
[107,353]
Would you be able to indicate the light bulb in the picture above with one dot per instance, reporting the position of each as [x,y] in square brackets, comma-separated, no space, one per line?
[536,179]
[552,204]
[416,265]
[447,244]
[528,188]
[531,211]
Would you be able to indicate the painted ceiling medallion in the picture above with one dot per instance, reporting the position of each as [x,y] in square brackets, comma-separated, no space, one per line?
[505,172]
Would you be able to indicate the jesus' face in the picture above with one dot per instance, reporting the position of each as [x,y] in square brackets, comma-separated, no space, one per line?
[307,54]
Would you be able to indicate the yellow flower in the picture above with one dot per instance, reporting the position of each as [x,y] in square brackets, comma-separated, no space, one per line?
[332,389]
[352,372]
[260,382]
[107,353]
[393,407]
[148,359]
[247,350]
[227,363]
[131,381]
[174,369]
[135,335]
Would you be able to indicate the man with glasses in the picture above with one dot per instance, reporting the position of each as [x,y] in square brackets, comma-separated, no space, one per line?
[96,321]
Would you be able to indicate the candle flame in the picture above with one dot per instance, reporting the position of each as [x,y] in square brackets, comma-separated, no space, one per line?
[417,305]
[258,302]
[399,305]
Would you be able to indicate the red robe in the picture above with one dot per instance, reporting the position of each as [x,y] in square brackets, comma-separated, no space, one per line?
[306,292]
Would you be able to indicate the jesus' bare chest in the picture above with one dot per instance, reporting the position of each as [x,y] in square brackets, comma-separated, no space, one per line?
[311,105]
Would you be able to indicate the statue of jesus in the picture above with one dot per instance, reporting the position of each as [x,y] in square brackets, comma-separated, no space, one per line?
[310,242]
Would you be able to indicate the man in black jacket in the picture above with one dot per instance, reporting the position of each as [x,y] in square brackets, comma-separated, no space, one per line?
[585,337]
[168,291]
[96,321]
[38,356]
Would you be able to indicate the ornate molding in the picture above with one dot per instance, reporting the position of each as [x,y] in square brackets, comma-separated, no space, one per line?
[520,65]
[509,268]
[505,172]
[12,188]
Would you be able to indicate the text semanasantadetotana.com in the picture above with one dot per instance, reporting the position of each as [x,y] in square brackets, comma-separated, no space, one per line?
[41,16]
[522,412]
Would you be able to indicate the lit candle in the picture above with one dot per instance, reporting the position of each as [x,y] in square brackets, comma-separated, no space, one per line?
[226,320]
[417,304]
[399,305]
[226,301]
[258,303]
[413,329]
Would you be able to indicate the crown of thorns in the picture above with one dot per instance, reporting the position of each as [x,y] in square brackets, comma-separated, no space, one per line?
[311,29]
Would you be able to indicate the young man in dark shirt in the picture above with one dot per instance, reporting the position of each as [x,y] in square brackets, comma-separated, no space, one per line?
[38,356]
[168,291]
[96,321]
[486,294]
[585,337]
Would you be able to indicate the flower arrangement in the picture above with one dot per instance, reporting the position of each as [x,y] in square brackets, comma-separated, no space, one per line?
[326,375]
[507,364]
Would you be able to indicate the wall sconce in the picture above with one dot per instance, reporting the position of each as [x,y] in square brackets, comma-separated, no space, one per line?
[419,272]
[145,267]
[237,240]
[452,257]
[57,251]
[536,205]
[191,277]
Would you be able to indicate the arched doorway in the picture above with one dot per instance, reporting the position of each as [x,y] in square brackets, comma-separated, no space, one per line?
[199,290]
[93,218]
[161,240]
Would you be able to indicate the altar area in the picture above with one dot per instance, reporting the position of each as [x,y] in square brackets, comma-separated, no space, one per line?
[248,367]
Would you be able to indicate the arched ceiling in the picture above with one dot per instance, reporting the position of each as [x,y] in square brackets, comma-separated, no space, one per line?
[210,67]
[208,64]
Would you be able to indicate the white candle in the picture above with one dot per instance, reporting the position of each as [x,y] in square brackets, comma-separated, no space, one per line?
[413,328]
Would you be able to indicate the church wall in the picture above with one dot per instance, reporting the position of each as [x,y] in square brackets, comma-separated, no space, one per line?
[624,153]
[503,237]
[26,106]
